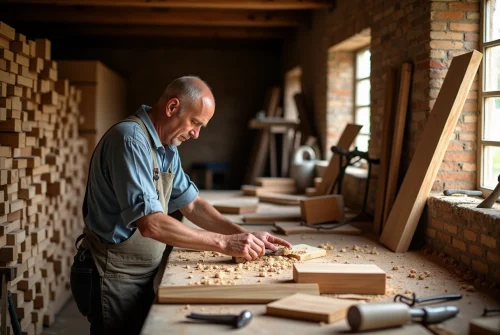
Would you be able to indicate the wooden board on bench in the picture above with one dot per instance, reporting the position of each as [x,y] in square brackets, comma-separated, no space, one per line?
[291,228]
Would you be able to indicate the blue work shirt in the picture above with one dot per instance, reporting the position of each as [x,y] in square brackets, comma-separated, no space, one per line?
[120,185]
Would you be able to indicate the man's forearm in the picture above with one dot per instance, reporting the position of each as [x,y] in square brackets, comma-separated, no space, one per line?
[207,217]
[168,230]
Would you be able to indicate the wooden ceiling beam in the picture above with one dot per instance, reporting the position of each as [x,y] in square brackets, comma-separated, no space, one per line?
[193,4]
[157,17]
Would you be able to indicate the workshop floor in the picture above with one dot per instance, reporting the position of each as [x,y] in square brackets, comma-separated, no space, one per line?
[433,275]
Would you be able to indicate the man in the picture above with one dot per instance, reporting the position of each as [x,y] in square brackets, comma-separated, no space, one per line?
[135,179]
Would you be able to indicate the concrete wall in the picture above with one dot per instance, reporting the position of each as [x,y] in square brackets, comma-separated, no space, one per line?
[238,73]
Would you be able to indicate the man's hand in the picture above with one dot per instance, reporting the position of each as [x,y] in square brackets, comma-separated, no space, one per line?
[244,245]
[269,240]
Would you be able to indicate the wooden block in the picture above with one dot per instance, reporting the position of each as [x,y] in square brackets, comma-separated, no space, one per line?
[16,236]
[49,98]
[20,37]
[272,181]
[20,47]
[310,308]
[21,59]
[304,252]
[8,253]
[232,294]
[342,278]
[429,153]
[253,190]
[43,49]
[282,199]
[489,325]
[14,91]
[36,65]
[32,45]
[15,140]
[235,208]
[7,31]
[4,43]
[321,209]
[11,125]
[292,228]
[7,54]
[284,214]
[23,81]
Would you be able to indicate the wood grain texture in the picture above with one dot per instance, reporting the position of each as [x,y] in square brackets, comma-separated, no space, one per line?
[234,208]
[348,136]
[310,308]
[284,214]
[282,199]
[342,278]
[232,294]
[275,181]
[397,139]
[304,252]
[434,141]
[321,209]
[292,228]
[385,149]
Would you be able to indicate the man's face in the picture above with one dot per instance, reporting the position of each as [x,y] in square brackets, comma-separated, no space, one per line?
[188,124]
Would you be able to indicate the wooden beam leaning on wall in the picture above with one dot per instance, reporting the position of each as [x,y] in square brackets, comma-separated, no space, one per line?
[397,140]
[434,140]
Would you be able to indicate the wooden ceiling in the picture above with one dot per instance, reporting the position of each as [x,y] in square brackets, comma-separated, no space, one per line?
[174,18]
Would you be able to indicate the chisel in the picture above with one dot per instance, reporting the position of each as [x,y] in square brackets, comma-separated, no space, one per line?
[377,316]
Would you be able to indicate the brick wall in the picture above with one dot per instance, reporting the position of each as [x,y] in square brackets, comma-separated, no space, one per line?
[470,235]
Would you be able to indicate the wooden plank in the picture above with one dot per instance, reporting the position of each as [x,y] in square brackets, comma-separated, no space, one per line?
[7,31]
[385,149]
[348,136]
[310,308]
[231,294]
[485,326]
[253,190]
[282,199]
[304,252]
[397,139]
[284,214]
[259,151]
[341,278]
[276,182]
[292,228]
[321,209]
[235,208]
[434,141]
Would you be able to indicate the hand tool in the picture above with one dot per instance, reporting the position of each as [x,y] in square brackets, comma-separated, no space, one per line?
[466,192]
[237,321]
[490,200]
[414,300]
[386,315]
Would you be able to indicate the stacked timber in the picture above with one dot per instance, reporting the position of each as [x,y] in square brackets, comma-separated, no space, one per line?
[43,173]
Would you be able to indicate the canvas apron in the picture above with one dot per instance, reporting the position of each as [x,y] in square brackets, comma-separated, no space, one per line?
[132,270]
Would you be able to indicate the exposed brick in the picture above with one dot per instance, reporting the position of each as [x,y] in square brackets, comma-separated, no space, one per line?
[459,244]
[437,26]
[443,237]
[463,6]
[488,241]
[446,35]
[479,266]
[467,136]
[465,260]
[434,223]
[469,27]
[469,166]
[493,257]
[475,250]
[472,37]
[450,228]
[470,235]
[447,15]
[431,232]
[470,119]
[446,45]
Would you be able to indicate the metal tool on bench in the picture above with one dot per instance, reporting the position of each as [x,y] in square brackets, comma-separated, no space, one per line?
[387,315]
[469,193]
[237,321]
[414,300]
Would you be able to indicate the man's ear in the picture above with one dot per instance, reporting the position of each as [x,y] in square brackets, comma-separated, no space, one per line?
[172,107]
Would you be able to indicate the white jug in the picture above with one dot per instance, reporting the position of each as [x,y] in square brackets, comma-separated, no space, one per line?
[302,170]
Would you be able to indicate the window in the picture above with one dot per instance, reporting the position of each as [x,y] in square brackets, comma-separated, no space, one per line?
[362,97]
[489,97]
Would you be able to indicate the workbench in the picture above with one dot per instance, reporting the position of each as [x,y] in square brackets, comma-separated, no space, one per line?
[364,249]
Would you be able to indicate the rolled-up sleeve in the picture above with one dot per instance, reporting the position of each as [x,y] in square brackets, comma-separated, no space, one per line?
[184,191]
[132,180]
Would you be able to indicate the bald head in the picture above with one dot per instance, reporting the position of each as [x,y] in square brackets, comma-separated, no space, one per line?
[190,90]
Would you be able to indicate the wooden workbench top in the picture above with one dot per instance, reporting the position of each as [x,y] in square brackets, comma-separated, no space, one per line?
[346,249]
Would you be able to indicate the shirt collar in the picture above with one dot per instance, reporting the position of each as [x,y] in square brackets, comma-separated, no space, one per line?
[143,115]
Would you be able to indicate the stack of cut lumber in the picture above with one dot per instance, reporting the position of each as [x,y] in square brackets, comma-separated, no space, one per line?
[266,185]
[43,172]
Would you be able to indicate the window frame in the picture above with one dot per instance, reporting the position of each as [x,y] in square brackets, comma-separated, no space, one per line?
[482,95]
[355,106]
